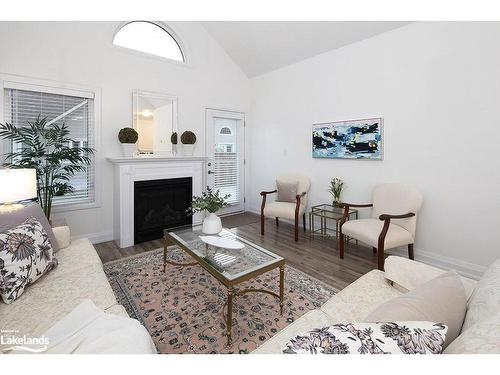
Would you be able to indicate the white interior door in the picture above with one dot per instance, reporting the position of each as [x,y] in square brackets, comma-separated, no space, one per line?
[225,149]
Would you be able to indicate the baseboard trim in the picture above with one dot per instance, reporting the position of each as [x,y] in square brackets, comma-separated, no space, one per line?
[96,238]
[467,269]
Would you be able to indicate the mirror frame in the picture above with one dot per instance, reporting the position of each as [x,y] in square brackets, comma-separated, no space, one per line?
[136,94]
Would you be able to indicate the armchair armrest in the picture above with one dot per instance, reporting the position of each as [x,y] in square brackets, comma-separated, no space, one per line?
[297,206]
[264,193]
[298,196]
[347,206]
[389,217]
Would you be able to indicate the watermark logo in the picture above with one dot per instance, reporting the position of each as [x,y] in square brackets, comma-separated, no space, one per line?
[12,340]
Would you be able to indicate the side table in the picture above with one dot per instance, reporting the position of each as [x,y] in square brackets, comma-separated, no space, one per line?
[325,212]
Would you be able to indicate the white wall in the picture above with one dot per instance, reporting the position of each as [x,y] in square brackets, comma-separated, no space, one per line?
[437,85]
[82,53]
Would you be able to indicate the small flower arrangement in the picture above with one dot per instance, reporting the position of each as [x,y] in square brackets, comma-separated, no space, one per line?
[335,189]
[210,201]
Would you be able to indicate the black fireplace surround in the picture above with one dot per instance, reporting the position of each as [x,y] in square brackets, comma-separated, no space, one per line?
[160,204]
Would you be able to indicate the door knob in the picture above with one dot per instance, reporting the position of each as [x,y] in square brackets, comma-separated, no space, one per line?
[210,172]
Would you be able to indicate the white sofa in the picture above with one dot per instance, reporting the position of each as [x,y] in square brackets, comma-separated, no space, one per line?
[480,332]
[79,276]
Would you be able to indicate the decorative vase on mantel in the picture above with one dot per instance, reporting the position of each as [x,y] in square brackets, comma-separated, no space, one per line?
[128,150]
[212,224]
[188,149]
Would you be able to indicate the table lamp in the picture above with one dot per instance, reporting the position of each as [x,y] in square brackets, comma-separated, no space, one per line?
[16,185]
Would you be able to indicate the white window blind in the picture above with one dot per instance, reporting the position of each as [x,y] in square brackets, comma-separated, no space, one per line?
[226,166]
[76,112]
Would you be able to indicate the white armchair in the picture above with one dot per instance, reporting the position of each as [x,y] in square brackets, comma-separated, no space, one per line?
[287,210]
[393,221]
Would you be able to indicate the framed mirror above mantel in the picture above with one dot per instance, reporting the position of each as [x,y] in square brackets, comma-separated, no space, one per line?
[155,119]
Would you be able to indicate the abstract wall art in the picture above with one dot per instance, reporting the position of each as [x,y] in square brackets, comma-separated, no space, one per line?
[353,139]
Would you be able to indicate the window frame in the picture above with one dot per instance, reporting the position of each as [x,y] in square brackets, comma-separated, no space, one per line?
[60,88]
[168,30]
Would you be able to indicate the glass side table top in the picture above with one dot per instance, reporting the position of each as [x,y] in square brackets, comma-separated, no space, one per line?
[228,263]
[329,211]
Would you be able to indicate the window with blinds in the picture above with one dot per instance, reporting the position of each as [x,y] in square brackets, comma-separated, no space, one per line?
[76,111]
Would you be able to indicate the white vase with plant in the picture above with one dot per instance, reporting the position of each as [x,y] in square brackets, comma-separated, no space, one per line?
[188,140]
[128,138]
[335,189]
[211,202]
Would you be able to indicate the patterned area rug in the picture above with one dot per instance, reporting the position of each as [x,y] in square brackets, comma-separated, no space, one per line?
[184,308]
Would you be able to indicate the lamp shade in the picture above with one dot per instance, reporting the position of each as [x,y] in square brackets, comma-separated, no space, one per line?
[17,185]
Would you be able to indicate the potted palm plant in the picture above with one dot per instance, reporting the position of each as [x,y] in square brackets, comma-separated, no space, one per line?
[211,202]
[46,148]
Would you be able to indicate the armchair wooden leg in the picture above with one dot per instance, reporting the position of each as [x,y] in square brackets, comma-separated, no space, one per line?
[277,222]
[374,250]
[304,221]
[411,255]
[341,244]
[262,218]
[381,257]
[296,227]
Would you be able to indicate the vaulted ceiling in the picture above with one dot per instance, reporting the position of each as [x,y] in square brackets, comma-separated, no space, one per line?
[259,47]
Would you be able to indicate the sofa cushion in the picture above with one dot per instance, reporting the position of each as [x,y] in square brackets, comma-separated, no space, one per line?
[12,219]
[441,300]
[55,296]
[282,209]
[80,254]
[481,338]
[368,231]
[409,274]
[418,337]
[26,255]
[63,236]
[310,320]
[357,300]
[485,301]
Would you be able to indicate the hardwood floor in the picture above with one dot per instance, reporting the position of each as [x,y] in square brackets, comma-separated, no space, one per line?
[315,256]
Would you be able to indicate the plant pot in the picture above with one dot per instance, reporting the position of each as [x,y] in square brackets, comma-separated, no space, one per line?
[211,224]
[188,149]
[128,149]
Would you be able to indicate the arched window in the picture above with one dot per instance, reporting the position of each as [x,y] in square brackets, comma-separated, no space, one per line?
[150,38]
[225,131]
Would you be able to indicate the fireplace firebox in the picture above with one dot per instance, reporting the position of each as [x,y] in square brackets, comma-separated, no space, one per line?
[160,204]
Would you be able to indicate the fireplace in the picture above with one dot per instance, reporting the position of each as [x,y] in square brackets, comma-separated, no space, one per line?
[160,204]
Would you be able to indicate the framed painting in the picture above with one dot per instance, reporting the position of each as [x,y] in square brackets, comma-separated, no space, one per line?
[352,139]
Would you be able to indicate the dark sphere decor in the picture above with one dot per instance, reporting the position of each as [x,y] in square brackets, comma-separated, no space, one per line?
[128,135]
[173,138]
[188,138]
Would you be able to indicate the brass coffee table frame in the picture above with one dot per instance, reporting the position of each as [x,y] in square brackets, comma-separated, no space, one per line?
[170,238]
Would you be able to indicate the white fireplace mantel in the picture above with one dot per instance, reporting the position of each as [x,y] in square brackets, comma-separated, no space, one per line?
[128,170]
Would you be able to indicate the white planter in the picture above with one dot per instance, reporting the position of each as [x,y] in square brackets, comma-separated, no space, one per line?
[212,224]
[128,149]
[188,150]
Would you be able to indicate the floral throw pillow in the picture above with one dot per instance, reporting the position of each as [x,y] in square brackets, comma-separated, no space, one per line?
[371,338]
[25,255]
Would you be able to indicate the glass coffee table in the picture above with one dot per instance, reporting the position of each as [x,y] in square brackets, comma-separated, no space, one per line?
[229,267]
